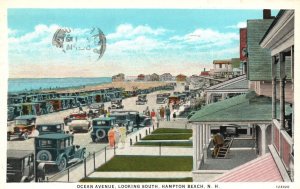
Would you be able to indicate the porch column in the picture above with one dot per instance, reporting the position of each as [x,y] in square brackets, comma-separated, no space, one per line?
[249,129]
[195,149]
[201,140]
[204,141]
[263,128]
[223,96]
[282,87]
[273,87]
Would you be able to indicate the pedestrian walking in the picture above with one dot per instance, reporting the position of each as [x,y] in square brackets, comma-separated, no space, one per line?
[117,135]
[168,113]
[152,114]
[111,137]
[162,113]
[174,115]
[123,135]
[158,116]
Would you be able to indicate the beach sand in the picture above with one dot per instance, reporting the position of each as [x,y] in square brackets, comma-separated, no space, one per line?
[127,85]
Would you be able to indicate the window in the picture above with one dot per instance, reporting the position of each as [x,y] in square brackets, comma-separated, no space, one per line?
[46,143]
[101,123]
[220,65]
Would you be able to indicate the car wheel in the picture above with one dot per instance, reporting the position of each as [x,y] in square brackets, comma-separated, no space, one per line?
[100,133]
[8,137]
[62,164]
[25,136]
[44,155]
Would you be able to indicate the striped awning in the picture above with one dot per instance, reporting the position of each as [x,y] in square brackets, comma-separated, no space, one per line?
[262,169]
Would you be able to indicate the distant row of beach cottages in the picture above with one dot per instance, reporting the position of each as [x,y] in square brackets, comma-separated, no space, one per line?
[43,102]
[227,68]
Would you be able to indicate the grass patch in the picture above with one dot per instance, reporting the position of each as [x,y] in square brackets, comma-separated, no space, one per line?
[148,163]
[187,179]
[186,144]
[175,136]
[172,130]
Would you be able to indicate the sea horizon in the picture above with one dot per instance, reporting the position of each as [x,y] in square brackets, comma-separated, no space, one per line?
[30,84]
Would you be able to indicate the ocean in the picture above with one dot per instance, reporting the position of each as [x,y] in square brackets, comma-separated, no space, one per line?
[26,84]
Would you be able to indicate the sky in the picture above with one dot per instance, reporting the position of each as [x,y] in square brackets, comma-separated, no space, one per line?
[137,40]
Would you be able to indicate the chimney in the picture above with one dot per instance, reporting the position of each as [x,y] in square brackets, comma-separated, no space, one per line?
[204,69]
[267,14]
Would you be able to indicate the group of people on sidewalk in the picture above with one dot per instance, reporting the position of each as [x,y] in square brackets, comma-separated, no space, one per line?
[163,113]
[116,134]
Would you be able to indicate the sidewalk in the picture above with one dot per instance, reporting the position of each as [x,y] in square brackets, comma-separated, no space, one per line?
[167,174]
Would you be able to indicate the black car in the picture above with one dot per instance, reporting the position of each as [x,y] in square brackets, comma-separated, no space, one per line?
[58,149]
[20,166]
[48,128]
[123,119]
[100,128]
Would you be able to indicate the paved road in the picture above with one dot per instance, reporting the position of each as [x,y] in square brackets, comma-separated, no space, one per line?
[83,139]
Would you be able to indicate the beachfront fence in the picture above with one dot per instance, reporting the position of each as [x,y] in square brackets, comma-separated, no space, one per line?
[82,169]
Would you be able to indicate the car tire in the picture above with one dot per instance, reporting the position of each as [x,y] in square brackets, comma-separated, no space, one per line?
[44,155]
[8,137]
[100,134]
[62,164]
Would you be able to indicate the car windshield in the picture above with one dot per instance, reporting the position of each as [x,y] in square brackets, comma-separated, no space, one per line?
[101,123]
[119,117]
[160,99]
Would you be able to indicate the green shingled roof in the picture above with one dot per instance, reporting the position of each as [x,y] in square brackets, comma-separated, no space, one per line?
[243,108]
[238,85]
[259,59]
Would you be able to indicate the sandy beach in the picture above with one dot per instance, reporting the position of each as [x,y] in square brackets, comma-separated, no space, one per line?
[126,85]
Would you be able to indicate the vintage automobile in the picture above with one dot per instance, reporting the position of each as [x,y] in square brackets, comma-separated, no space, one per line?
[23,127]
[145,121]
[48,128]
[95,110]
[116,103]
[100,128]
[230,130]
[161,100]
[123,119]
[58,149]
[20,166]
[79,125]
[142,99]
[75,115]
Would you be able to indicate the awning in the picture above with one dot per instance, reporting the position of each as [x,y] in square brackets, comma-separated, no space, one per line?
[262,169]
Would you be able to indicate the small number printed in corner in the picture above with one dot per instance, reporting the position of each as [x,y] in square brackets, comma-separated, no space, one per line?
[282,186]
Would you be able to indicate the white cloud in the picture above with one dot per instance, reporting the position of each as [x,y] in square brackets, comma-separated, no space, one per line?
[128,31]
[238,25]
[206,38]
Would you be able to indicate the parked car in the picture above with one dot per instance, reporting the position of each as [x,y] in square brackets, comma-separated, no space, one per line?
[123,118]
[79,125]
[20,166]
[76,115]
[48,128]
[58,149]
[161,100]
[142,99]
[95,110]
[230,130]
[24,125]
[116,103]
[145,121]
[100,128]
